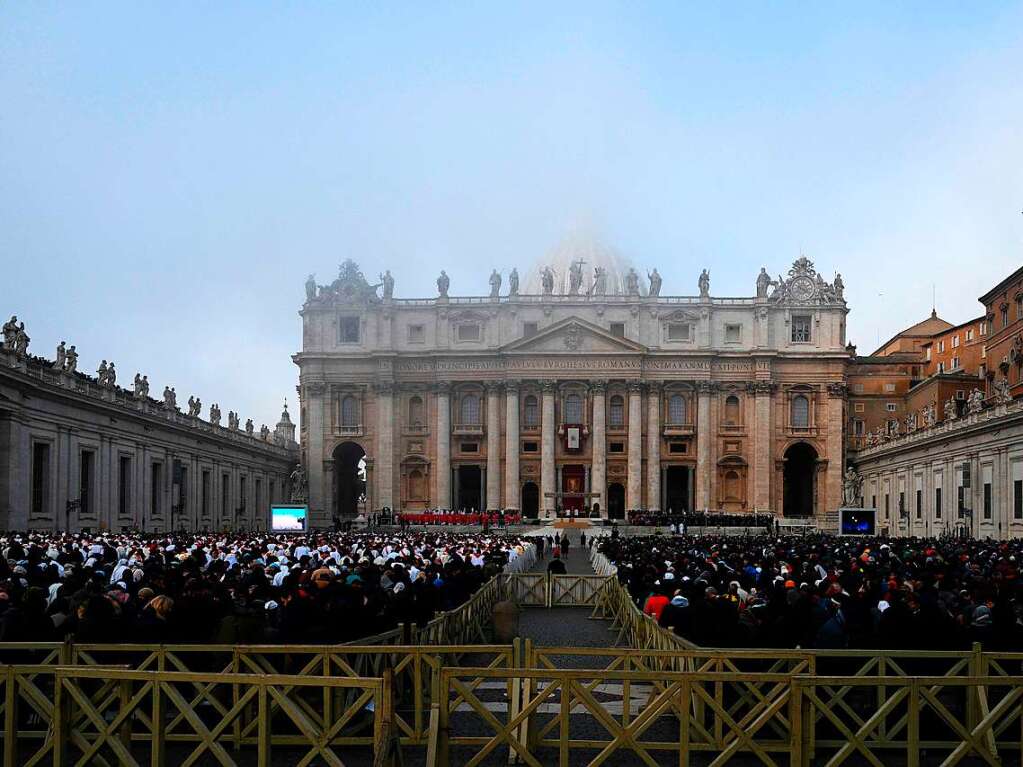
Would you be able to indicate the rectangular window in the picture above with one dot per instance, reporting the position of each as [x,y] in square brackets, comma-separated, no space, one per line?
[156,489]
[242,492]
[858,407]
[677,447]
[858,427]
[416,334]
[801,329]
[733,334]
[273,491]
[259,494]
[679,331]
[469,331]
[1017,499]
[941,367]
[348,330]
[124,486]
[873,502]
[941,346]
[887,505]
[858,388]
[1005,316]
[983,328]
[616,447]
[205,493]
[987,500]
[470,447]
[86,470]
[40,478]
[960,394]
[928,354]
[1019,308]
[955,363]
[530,447]
[618,329]
[529,329]
[919,503]
[937,503]
[891,407]
[969,334]
[889,387]
[955,342]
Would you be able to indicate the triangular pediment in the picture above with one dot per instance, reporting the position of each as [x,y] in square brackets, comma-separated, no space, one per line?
[572,335]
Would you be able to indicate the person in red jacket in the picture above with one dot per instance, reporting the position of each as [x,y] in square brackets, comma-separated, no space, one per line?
[655,604]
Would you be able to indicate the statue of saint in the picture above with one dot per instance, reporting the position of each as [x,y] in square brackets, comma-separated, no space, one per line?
[599,281]
[655,283]
[299,491]
[101,373]
[167,401]
[264,432]
[145,385]
[976,402]
[839,287]
[136,386]
[388,282]
[851,486]
[61,357]
[1002,393]
[443,283]
[495,283]
[72,360]
[11,333]
[951,409]
[575,277]
[513,282]
[215,414]
[704,284]
[21,341]
[111,376]
[249,427]
[763,283]
[632,283]
[310,287]
[547,280]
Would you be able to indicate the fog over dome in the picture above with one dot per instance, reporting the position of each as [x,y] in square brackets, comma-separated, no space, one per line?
[592,253]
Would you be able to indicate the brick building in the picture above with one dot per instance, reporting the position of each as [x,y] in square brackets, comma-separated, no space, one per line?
[1004,317]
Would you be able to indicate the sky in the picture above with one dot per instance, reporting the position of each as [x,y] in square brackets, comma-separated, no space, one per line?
[171,172]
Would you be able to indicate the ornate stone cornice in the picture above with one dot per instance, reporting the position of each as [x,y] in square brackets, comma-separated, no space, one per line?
[838,389]
[512,385]
[635,387]
[654,387]
[384,387]
[549,385]
[316,389]
[442,387]
[493,387]
[598,386]
[761,387]
[706,387]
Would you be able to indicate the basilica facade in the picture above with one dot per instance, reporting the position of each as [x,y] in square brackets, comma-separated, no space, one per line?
[583,388]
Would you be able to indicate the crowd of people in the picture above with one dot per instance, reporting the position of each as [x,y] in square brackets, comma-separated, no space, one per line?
[252,588]
[822,591]
[449,517]
[680,522]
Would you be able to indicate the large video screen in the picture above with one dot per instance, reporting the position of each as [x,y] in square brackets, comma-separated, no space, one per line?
[858,521]
[288,519]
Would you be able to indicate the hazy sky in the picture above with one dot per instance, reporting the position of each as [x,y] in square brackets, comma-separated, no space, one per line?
[170,172]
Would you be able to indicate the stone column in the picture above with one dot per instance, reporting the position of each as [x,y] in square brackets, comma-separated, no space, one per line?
[598,469]
[634,488]
[547,449]
[763,437]
[836,457]
[511,446]
[443,470]
[704,436]
[653,447]
[314,402]
[493,447]
[385,445]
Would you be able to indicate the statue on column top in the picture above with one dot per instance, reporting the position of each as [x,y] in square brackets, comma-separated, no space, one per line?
[599,281]
[513,282]
[443,283]
[10,331]
[951,409]
[111,376]
[547,280]
[72,360]
[763,282]
[249,427]
[21,341]
[655,283]
[215,414]
[976,401]
[388,282]
[101,373]
[310,287]
[632,282]
[264,432]
[852,485]
[495,283]
[704,284]
[575,277]
[838,287]
[61,356]
[136,386]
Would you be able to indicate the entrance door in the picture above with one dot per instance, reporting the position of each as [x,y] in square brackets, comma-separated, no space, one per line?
[800,473]
[676,489]
[530,500]
[616,501]
[470,488]
[573,480]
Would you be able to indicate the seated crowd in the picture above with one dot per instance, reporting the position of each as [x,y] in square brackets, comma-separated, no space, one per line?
[681,521]
[821,591]
[464,517]
[237,588]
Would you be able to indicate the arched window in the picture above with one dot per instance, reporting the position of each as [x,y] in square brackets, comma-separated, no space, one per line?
[732,410]
[416,485]
[349,411]
[415,412]
[573,409]
[617,410]
[676,410]
[470,410]
[531,411]
[800,412]
[732,492]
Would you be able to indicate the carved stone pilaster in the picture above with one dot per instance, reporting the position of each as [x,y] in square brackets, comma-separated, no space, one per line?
[549,385]
[598,386]
[761,387]
[838,389]
[316,389]
[511,387]
[635,386]
[706,387]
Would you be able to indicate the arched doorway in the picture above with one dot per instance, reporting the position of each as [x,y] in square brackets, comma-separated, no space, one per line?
[800,480]
[530,500]
[349,478]
[616,501]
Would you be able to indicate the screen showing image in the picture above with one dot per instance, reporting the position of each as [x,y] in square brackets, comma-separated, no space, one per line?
[858,522]
[288,519]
